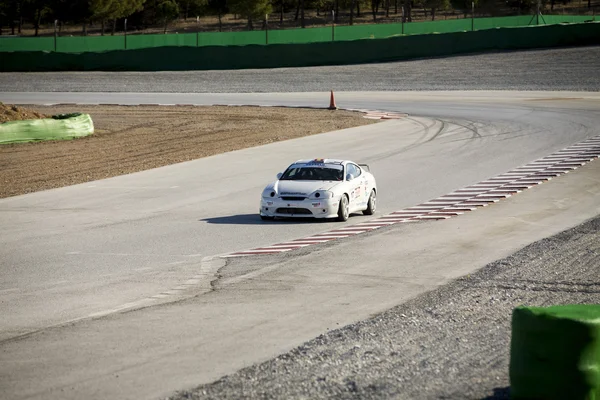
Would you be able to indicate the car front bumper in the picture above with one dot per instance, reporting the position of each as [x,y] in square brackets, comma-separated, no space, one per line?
[276,207]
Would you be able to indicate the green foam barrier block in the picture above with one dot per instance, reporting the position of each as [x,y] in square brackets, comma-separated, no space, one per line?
[555,352]
[59,127]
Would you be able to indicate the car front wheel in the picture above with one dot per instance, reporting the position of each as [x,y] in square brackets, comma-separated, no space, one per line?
[343,210]
[265,218]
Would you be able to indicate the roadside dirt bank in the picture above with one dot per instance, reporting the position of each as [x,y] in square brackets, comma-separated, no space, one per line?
[135,138]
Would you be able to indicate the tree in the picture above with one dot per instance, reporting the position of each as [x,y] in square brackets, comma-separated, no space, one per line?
[124,8]
[102,10]
[167,11]
[375,8]
[250,9]
[300,10]
[464,5]
[14,13]
[192,7]
[3,13]
[218,7]
[7,13]
[434,5]
[36,10]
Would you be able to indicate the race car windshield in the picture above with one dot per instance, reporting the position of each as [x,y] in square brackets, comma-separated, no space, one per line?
[313,174]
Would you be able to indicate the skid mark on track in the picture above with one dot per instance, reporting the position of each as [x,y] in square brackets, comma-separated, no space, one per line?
[460,201]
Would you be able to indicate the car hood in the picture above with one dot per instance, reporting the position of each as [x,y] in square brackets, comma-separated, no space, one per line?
[302,188]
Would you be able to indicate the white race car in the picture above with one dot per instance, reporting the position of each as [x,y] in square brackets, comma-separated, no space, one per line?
[320,188]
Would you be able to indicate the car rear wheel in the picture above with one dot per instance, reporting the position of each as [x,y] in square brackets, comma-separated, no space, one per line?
[372,204]
[343,210]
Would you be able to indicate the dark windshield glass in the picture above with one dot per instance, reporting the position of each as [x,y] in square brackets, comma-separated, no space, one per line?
[312,174]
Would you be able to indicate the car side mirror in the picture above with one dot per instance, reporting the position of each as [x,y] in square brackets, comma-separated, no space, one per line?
[349,177]
[279,175]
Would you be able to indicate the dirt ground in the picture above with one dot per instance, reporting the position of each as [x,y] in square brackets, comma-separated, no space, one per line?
[135,138]
[10,112]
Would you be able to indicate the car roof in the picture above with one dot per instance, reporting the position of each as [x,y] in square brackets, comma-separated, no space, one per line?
[322,161]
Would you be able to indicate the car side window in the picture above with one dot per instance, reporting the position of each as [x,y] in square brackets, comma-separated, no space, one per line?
[358,171]
[354,170]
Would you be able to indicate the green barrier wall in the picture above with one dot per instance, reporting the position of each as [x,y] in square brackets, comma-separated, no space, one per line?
[80,44]
[358,32]
[506,22]
[27,44]
[59,127]
[231,38]
[144,41]
[310,35]
[565,19]
[555,353]
[456,25]
[299,55]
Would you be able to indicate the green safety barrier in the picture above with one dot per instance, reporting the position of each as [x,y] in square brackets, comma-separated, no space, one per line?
[144,41]
[299,55]
[81,44]
[69,44]
[231,38]
[565,19]
[59,127]
[555,353]
[26,44]
[308,35]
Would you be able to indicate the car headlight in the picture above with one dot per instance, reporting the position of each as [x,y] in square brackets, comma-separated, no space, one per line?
[269,192]
[322,194]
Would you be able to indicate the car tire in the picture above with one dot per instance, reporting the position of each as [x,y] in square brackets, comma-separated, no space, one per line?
[343,210]
[265,218]
[372,204]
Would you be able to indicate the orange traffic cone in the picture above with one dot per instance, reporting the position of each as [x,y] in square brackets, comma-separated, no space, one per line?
[332,105]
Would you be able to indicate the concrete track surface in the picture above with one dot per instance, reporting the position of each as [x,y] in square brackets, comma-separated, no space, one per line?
[111,289]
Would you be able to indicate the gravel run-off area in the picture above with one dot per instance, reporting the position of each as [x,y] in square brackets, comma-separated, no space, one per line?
[574,69]
[450,343]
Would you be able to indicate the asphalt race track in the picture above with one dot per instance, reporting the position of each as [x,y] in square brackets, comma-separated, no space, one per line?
[121,277]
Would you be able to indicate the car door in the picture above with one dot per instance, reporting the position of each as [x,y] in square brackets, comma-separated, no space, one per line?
[356,185]
[365,189]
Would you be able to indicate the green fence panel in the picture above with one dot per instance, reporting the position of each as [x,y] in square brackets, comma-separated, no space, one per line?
[26,44]
[145,41]
[358,32]
[231,38]
[308,35]
[452,25]
[81,44]
[59,127]
[563,19]
[504,22]
[298,55]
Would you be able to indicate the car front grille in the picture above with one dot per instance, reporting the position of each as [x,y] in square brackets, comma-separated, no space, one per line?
[293,210]
[292,198]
